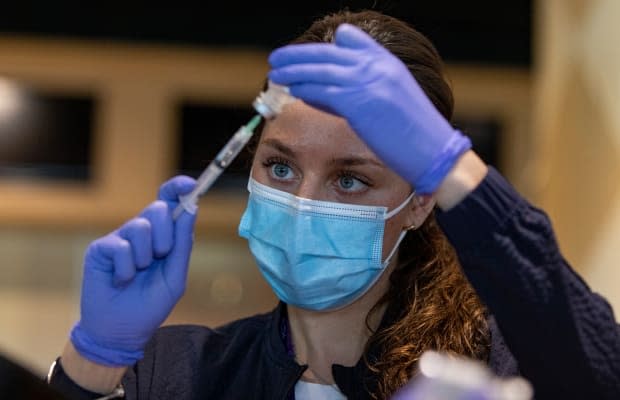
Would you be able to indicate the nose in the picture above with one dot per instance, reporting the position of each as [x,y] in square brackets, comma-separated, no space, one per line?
[310,187]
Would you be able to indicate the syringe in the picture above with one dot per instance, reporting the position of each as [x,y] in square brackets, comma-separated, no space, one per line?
[268,104]
[223,159]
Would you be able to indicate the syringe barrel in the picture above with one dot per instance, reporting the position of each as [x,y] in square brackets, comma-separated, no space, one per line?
[232,148]
[206,180]
[189,201]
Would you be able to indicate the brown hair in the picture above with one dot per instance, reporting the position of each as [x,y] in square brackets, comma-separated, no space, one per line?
[431,303]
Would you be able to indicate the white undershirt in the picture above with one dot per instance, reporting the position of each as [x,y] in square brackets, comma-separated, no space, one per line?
[311,391]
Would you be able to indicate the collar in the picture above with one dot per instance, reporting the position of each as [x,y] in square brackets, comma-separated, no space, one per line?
[358,381]
[348,379]
[284,370]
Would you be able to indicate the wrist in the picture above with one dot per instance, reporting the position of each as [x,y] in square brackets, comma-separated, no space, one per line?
[453,145]
[105,352]
[88,374]
[467,173]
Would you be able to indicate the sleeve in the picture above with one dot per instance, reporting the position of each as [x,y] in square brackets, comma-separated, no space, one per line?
[564,336]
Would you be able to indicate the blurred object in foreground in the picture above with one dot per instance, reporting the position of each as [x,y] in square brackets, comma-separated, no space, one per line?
[446,377]
[16,382]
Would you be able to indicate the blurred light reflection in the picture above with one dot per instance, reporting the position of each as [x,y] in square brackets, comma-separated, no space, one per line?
[12,101]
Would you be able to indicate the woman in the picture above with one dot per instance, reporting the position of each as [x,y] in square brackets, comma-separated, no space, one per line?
[340,220]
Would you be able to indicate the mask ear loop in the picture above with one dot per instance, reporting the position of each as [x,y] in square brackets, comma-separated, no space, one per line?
[389,257]
[404,231]
[400,207]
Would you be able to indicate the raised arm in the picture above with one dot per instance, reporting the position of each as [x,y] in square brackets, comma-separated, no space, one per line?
[564,336]
[133,277]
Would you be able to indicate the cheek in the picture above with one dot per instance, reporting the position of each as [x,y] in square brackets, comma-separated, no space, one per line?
[393,228]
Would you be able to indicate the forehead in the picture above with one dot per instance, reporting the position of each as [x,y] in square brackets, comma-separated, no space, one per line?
[308,129]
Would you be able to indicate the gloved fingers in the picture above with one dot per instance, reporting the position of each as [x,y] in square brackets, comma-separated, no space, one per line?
[176,267]
[113,252]
[170,190]
[352,37]
[313,53]
[326,74]
[162,227]
[138,233]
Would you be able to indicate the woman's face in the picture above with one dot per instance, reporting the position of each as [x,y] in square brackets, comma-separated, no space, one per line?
[316,155]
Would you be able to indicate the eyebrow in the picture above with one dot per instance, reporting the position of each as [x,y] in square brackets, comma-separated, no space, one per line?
[344,161]
[281,147]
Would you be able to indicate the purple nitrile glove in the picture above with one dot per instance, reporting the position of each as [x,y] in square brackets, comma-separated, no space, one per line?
[133,277]
[360,80]
[425,389]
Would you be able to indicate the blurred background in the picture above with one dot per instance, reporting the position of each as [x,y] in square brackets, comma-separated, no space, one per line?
[100,105]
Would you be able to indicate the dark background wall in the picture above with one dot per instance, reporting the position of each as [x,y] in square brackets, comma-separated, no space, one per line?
[480,31]
[469,32]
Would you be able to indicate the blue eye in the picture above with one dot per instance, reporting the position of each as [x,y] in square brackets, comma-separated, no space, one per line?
[280,171]
[347,182]
[350,183]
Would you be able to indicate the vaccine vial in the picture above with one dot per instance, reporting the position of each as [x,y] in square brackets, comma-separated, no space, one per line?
[270,102]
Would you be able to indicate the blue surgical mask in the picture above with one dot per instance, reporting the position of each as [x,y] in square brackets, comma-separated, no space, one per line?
[316,255]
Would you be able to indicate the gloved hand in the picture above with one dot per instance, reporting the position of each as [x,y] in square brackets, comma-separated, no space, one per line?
[133,277]
[373,90]
[426,391]
[444,376]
